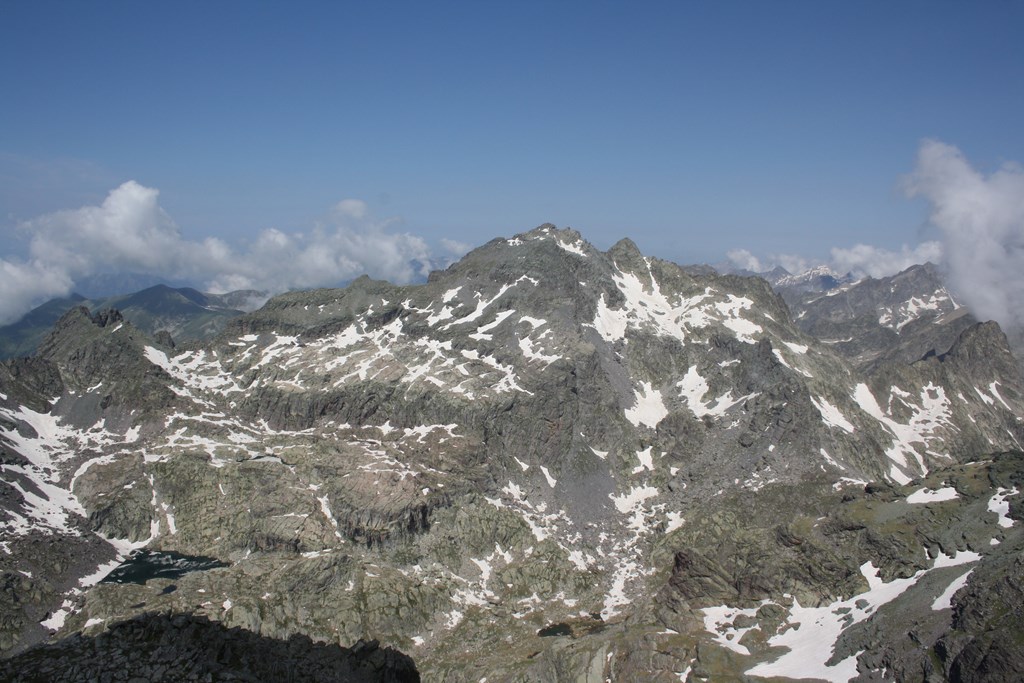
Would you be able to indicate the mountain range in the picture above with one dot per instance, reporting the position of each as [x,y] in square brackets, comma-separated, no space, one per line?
[546,463]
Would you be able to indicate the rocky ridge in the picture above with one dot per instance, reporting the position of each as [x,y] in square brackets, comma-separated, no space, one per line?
[547,463]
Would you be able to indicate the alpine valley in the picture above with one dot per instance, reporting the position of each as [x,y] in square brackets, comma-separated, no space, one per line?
[548,463]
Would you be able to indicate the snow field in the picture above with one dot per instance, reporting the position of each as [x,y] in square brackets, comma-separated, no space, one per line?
[810,633]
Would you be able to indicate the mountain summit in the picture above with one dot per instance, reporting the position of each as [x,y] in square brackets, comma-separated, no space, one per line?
[546,463]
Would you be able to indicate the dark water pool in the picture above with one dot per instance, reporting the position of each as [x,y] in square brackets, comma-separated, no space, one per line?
[555,630]
[143,565]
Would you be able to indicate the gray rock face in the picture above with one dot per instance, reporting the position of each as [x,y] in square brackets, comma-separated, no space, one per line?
[901,318]
[547,463]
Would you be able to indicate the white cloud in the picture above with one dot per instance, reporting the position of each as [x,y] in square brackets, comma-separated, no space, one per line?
[352,208]
[791,262]
[455,248]
[981,220]
[23,285]
[863,259]
[129,231]
[744,260]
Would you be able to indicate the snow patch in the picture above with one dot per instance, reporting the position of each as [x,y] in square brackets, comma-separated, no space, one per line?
[573,248]
[649,408]
[693,387]
[832,416]
[675,520]
[547,475]
[924,496]
[646,461]
[1000,506]
[632,501]
[647,307]
[719,619]
[945,601]
[528,347]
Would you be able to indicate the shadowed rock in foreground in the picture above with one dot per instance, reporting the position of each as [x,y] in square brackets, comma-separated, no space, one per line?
[165,647]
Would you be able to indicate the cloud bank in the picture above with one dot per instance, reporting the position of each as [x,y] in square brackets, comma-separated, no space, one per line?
[863,259]
[130,232]
[981,220]
[745,260]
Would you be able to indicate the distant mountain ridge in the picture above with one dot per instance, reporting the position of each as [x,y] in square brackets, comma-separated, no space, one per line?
[818,278]
[900,317]
[184,313]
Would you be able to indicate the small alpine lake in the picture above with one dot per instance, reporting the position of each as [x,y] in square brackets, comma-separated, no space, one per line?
[143,565]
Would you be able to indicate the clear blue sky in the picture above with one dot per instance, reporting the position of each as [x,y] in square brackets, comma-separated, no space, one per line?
[694,128]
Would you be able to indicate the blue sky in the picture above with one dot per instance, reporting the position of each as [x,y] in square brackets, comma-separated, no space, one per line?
[694,128]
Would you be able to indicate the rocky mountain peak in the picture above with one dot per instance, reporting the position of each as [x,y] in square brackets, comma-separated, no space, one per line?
[626,255]
[558,458]
[983,344]
[72,317]
[108,316]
